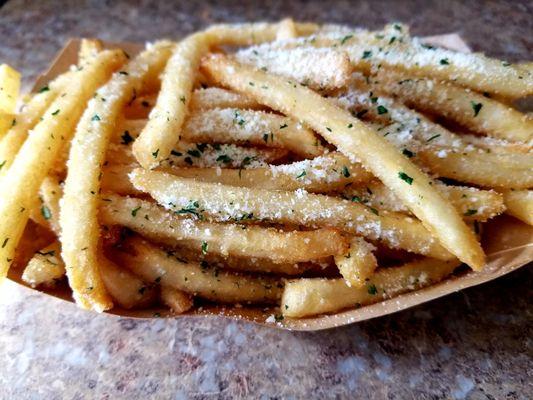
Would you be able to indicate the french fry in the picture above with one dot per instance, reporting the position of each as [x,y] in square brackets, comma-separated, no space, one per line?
[232,125]
[50,194]
[484,169]
[9,88]
[358,264]
[158,137]
[313,296]
[229,203]
[252,33]
[155,265]
[78,218]
[493,145]
[161,226]
[88,49]
[27,119]
[206,155]
[321,175]
[317,68]
[519,204]
[471,203]
[286,29]
[125,288]
[37,155]
[213,97]
[202,99]
[46,267]
[6,121]
[247,264]
[474,111]
[356,140]
[178,301]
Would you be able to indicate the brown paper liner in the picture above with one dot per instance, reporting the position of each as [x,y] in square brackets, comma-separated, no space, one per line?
[507,242]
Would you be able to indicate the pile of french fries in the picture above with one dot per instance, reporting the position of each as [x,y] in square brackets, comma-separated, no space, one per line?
[304,167]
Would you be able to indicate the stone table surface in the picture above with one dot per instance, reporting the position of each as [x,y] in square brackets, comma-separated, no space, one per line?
[475,344]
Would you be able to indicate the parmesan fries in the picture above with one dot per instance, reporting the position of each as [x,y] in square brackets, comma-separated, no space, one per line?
[269,164]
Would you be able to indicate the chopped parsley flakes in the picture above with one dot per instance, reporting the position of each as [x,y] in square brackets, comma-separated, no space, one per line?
[382,110]
[302,174]
[366,54]
[372,289]
[45,212]
[404,177]
[345,172]
[126,137]
[476,107]
[408,153]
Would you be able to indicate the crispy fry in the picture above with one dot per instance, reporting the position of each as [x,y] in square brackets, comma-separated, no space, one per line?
[317,68]
[178,301]
[519,204]
[358,265]
[46,267]
[28,118]
[252,33]
[9,88]
[479,168]
[470,109]
[79,224]
[125,288]
[229,203]
[155,265]
[225,239]
[307,297]
[158,137]
[355,139]
[6,121]
[321,175]
[471,203]
[286,29]
[205,155]
[230,125]
[50,193]
[247,264]
[88,49]
[213,97]
[39,151]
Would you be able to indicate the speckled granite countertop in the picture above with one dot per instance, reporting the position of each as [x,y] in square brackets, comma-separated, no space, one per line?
[475,344]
